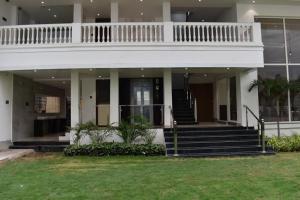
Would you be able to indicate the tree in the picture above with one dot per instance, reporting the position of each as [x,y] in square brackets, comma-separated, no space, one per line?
[273,90]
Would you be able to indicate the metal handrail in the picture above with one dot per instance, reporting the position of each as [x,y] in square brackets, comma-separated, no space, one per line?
[261,127]
[174,128]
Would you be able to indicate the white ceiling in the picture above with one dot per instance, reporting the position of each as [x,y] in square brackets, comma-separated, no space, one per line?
[130,9]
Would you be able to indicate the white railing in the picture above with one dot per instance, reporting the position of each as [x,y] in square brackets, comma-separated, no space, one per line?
[123,33]
[213,32]
[132,33]
[36,34]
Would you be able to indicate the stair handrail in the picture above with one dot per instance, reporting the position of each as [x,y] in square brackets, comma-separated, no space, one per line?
[261,127]
[174,130]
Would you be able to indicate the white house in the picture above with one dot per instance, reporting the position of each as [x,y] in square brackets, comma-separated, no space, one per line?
[64,62]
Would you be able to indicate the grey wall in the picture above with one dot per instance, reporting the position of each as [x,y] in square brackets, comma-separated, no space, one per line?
[229,15]
[24,91]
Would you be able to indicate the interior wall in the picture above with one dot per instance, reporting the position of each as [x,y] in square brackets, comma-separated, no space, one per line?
[5,12]
[88,100]
[247,12]
[229,15]
[6,88]
[24,91]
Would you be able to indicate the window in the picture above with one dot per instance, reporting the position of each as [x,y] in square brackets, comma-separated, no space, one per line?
[293,40]
[281,37]
[269,106]
[294,72]
[47,104]
[273,39]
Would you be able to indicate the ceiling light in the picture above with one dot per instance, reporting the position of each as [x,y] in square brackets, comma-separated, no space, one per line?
[253,1]
[91,70]
[99,76]
[55,16]
[98,14]
[228,68]
[143,76]
[49,9]
[142,13]
[42,2]
[53,77]
[205,75]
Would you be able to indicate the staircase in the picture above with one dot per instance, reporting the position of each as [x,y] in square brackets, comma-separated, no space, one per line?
[183,113]
[41,146]
[217,141]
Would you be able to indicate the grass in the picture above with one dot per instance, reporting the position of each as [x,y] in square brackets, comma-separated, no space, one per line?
[53,176]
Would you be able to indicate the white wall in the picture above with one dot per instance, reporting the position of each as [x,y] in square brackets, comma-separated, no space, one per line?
[6,88]
[247,12]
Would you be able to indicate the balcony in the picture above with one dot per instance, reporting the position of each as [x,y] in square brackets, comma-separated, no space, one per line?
[100,34]
[131,45]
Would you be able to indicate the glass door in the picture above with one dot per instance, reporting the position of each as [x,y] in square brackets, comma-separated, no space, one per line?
[141,99]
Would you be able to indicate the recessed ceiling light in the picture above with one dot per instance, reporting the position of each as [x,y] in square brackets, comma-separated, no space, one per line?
[142,13]
[42,2]
[99,76]
[253,1]
[98,14]
[91,70]
[228,68]
[53,77]
[143,76]
[55,16]
[49,9]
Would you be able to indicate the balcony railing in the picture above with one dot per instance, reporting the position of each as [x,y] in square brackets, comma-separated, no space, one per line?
[132,33]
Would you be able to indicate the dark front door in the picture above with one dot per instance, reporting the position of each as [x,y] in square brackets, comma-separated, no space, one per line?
[205,106]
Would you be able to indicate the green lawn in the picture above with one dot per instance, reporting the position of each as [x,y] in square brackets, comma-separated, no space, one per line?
[56,177]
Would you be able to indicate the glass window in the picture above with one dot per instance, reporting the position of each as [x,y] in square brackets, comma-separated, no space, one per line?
[293,39]
[268,105]
[273,39]
[294,95]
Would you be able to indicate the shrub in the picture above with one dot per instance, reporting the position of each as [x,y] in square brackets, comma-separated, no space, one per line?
[99,135]
[285,144]
[113,149]
[129,130]
[83,129]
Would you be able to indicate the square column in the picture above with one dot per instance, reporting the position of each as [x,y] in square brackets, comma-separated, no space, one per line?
[244,97]
[14,15]
[114,11]
[166,11]
[167,97]
[77,13]
[75,98]
[77,20]
[114,97]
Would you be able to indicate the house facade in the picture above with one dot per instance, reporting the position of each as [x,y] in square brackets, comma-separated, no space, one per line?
[65,62]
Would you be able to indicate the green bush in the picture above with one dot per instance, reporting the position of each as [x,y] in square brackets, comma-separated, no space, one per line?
[113,149]
[285,144]
[129,130]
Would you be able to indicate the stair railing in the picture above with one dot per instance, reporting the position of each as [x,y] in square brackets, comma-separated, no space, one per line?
[174,130]
[260,126]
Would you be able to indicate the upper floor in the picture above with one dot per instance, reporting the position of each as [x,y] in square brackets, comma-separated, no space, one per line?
[135,33]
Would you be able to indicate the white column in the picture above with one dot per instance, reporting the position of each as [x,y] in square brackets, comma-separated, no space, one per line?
[244,97]
[75,98]
[88,95]
[166,10]
[114,11]
[167,97]
[77,13]
[114,97]
[14,15]
[77,20]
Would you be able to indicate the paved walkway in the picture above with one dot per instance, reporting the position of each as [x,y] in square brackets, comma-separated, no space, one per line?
[13,154]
